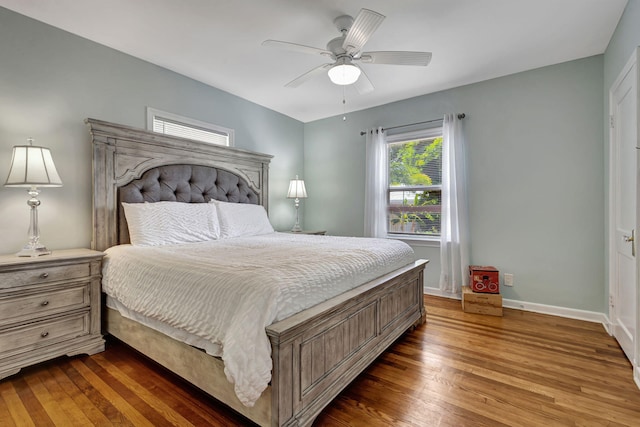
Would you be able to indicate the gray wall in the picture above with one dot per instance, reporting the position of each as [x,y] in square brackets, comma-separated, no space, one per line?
[625,40]
[50,81]
[537,161]
[535,177]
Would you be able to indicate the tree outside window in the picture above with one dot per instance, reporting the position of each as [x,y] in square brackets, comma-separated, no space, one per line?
[415,186]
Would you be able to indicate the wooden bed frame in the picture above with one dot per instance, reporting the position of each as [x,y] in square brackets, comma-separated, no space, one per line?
[315,353]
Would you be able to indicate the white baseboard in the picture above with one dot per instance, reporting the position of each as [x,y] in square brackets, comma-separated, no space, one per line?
[607,325]
[636,375]
[439,293]
[571,313]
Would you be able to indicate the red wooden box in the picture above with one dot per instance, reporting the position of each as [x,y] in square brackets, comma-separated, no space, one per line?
[484,279]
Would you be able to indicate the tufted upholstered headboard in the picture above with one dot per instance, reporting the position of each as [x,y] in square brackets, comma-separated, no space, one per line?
[183,183]
[134,166]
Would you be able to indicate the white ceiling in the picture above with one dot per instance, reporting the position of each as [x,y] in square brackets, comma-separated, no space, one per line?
[218,42]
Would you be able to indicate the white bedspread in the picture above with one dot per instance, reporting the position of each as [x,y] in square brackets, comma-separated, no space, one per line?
[227,291]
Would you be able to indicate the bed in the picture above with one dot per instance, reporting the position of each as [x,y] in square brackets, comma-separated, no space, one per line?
[315,352]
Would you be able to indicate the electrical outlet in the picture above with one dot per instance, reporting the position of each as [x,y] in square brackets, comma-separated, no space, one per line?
[508,279]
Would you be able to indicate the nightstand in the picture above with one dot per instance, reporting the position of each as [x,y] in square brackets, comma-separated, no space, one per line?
[49,307]
[316,232]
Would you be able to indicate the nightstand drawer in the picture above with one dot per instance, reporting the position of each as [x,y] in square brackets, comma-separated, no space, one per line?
[35,335]
[44,274]
[42,303]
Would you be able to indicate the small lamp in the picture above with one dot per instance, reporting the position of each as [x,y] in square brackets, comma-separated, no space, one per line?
[32,167]
[297,191]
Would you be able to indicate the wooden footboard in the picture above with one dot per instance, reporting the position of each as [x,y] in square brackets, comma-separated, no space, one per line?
[318,352]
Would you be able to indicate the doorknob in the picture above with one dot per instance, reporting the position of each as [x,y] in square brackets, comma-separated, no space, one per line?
[631,239]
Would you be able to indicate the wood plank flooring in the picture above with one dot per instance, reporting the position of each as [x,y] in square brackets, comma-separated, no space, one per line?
[523,369]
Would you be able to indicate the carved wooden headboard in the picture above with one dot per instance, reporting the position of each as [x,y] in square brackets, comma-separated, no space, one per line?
[122,154]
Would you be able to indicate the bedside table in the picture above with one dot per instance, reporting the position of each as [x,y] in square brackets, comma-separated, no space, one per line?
[49,307]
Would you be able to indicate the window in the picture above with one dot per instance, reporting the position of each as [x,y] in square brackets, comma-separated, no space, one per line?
[415,183]
[174,125]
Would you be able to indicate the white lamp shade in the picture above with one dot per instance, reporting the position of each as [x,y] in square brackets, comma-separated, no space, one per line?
[32,166]
[344,74]
[296,189]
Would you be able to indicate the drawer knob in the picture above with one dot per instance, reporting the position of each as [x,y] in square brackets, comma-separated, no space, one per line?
[44,303]
[44,334]
[44,275]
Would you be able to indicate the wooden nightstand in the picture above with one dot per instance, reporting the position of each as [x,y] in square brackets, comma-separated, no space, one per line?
[49,307]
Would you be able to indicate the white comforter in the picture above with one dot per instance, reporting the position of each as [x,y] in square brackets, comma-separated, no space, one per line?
[227,291]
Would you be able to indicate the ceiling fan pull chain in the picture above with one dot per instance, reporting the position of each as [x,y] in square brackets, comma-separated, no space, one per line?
[344,105]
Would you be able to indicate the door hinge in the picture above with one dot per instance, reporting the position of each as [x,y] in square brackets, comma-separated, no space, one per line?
[611,122]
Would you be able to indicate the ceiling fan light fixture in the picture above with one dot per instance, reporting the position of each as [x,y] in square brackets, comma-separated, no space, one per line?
[344,74]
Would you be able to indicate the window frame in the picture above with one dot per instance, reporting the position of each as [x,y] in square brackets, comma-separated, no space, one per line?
[153,113]
[436,130]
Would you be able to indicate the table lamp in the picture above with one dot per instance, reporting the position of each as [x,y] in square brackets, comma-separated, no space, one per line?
[297,191]
[33,167]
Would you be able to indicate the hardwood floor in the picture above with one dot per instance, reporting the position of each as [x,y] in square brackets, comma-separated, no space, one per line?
[523,369]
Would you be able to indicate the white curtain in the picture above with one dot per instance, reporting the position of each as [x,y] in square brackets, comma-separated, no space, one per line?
[375,196]
[454,241]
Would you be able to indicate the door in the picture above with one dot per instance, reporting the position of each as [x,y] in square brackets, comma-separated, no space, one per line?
[623,191]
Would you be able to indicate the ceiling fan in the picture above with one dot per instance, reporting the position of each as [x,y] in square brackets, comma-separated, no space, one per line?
[347,49]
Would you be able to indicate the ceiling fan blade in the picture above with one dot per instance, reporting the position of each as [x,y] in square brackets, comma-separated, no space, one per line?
[363,84]
[294,47]
[396,58]
[363,27]
[308,75]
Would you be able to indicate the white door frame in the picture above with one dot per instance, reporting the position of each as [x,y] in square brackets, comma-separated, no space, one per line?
[636,363]
[613,290]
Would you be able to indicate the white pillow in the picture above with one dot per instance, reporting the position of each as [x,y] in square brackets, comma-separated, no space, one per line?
[242,219]
[164,223]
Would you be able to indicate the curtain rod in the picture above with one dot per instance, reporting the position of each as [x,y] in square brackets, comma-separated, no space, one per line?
[460,116]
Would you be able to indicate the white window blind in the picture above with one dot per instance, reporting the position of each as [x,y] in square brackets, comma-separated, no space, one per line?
[174,125]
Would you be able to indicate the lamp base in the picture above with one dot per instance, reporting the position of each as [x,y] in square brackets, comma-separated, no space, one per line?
[34,250]
[296,228]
